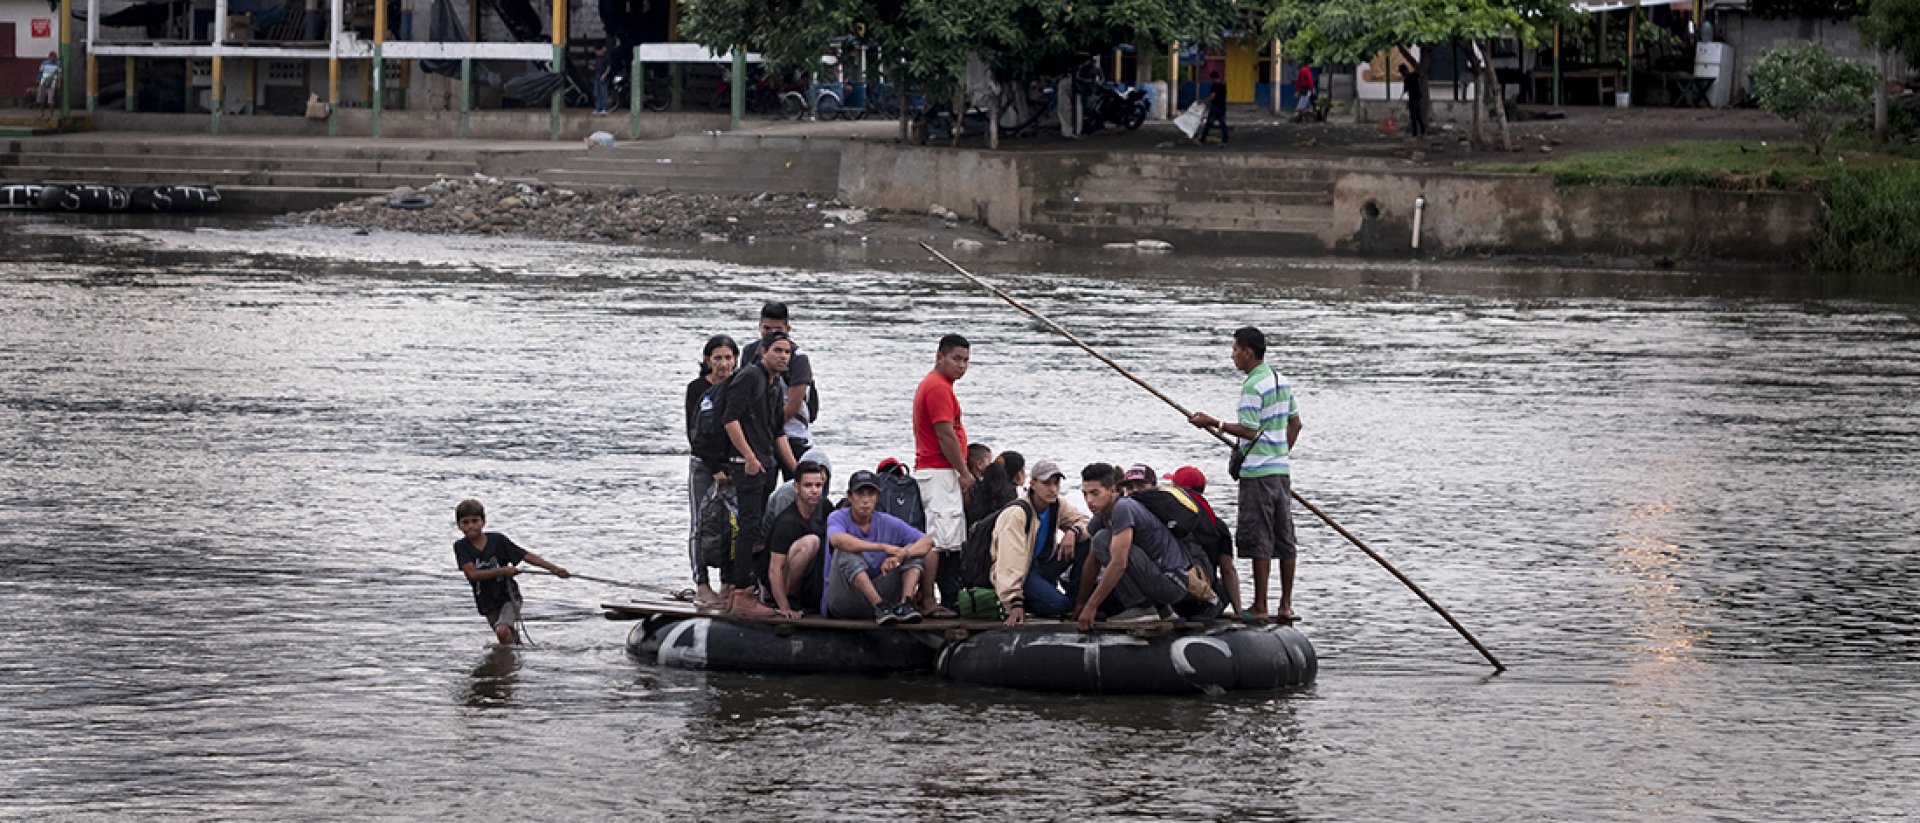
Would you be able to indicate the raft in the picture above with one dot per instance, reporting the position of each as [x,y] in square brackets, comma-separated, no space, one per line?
[179,199]
[1043,655]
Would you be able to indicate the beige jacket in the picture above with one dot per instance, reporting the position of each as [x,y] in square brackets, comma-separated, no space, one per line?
[1013,546]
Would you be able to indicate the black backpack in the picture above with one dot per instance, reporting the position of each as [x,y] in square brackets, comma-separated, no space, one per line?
[710,442]
[900,497]
[1189,523]
[976,555]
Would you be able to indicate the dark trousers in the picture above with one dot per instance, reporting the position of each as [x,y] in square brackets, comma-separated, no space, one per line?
[752,492]
[1215,114]
[1416,120]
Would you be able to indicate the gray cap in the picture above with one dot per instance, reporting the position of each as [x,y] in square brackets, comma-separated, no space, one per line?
[1046,470]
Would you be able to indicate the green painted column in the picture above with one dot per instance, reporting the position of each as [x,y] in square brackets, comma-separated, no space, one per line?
[379,84]
[466,93]
[559,94]
[132,84]
[739,86]
[636,83]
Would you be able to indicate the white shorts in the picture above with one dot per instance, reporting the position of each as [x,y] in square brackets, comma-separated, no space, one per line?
[946,510]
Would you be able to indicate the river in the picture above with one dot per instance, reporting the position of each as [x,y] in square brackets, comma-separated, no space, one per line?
[1681,507]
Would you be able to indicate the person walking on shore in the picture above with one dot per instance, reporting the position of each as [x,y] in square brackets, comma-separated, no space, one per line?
[1269,422]
[1216,109]
[1411,84]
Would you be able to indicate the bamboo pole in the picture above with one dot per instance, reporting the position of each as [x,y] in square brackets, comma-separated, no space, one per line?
[1229,441]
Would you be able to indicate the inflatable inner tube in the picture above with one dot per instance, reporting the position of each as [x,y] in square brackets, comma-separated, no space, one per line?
[175,199]
[411,202]
[1224,658]
[720,645]
[84,197]
[20,196]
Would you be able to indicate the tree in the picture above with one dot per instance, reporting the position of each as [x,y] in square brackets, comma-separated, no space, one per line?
[1890,26]
[1820,92]
[927,42]
[1353,31]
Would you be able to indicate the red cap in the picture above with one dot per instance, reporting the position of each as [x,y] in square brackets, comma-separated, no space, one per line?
[889,464]
[1188,477]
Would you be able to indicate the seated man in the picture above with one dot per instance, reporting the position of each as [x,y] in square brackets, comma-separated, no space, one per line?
[874,559]
[1034,545]
[1135,557]
[795,543]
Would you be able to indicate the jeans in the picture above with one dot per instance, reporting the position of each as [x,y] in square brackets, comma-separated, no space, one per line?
[601,93]
[753,491]
[1216,114]
[699,483]
[1142,583]
[1042,589]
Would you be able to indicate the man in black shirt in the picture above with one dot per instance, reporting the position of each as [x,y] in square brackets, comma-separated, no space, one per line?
[796,410]
[753,424]
[795,544]
[1216,109]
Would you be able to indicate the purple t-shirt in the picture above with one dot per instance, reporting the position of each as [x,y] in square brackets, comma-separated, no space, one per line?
[883,528]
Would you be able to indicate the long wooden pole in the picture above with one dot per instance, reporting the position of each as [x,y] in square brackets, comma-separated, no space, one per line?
[1223,438]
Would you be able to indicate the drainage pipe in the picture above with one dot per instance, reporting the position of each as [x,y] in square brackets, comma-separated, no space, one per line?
[1419,211]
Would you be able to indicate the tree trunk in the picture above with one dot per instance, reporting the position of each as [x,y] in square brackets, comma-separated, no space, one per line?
[1492,81]
[993,122]
[1880,101]
[901,86]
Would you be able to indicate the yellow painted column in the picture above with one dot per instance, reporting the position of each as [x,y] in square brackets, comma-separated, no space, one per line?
[379,73]
[559,65]
[253,84]
[93,83]
[133,84]
[1173,80]
[333,96]
[1276,73]
[66,59]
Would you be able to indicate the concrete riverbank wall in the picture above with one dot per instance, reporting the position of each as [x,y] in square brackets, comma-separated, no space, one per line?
[1204,201]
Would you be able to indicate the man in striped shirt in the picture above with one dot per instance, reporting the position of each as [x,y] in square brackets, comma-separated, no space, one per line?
[1268,426]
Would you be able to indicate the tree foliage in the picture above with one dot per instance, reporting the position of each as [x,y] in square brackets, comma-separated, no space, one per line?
[1814,89]
[1353,31]
[1893,25]
[1807,9]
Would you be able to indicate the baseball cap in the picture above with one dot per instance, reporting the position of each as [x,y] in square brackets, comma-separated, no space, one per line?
[1139,473]
[862,479]
[1188,477]
[1047,470]
[892,465]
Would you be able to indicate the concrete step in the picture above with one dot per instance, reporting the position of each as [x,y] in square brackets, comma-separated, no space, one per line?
[1272,243]
[1321,211]
[1241,176]
[1145,222]
[1118,193]
[149,177]
[727,163]
[824,187]
[202,162]
[71,145]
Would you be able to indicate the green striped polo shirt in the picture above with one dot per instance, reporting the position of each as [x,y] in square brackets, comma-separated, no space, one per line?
[1266,403]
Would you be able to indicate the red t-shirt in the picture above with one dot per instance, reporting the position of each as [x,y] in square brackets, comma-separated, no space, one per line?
[1303,82]
[934,403]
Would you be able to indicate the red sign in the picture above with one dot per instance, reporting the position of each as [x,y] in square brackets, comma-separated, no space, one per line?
[43,28]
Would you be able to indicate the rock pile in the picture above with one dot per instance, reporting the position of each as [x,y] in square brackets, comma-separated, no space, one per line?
[490,206]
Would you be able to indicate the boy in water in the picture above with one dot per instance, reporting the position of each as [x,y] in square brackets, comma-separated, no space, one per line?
[487,559]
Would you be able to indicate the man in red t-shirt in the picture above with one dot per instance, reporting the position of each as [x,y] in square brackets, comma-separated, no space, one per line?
[939,463]
[1303,89]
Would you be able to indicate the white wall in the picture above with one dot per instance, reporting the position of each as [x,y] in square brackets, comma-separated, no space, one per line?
[22,13]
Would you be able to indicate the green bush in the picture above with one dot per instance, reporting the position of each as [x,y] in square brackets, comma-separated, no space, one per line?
[1820,92]
[1873,222]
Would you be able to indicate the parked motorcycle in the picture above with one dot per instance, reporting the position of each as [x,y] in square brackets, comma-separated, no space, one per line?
[1126,109]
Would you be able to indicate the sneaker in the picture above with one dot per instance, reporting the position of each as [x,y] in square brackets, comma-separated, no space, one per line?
[1166,612]
[906,613]
[886,615]
[1140,615]
[745,603]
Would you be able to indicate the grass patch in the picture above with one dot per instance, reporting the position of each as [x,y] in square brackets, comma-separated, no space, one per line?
[1716,164]
[1873,222]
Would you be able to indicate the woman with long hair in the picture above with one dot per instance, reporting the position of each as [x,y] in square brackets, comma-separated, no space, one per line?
[717,361]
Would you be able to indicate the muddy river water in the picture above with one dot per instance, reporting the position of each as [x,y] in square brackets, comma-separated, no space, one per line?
[1683,508]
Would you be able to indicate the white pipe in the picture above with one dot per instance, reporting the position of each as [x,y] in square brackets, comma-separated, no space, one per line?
[1419,210]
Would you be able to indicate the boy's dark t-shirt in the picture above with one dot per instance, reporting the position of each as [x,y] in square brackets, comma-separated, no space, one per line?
[789,526]
[490,595]
[1217,96]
